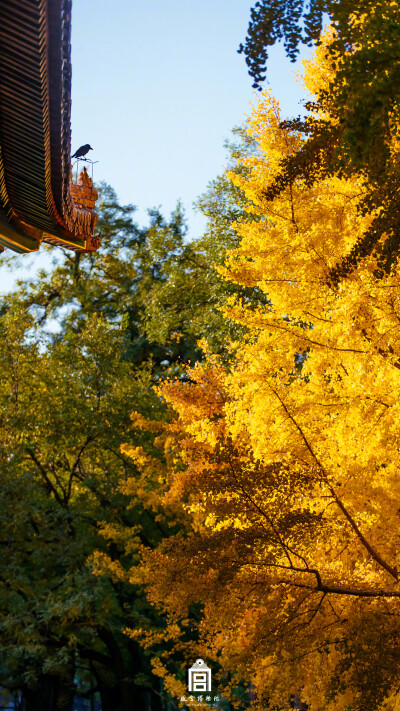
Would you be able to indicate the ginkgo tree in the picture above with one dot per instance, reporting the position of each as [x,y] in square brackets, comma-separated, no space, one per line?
[288,458]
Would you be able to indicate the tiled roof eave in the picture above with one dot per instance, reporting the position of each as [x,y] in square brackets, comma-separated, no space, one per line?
[35,146]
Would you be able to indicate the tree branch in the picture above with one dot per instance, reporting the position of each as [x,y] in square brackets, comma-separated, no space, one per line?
[375,555]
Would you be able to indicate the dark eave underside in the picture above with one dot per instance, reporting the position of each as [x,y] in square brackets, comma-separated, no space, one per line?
[22,110]
[35,90]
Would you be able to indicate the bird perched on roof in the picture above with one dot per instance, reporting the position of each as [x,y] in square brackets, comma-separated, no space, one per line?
[82,151]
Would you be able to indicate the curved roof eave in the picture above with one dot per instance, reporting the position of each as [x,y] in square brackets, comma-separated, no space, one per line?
[35,142]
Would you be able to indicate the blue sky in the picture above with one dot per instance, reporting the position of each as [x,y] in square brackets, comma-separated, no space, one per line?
[156,88]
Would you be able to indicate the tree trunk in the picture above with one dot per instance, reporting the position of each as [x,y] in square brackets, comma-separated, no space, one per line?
[119,692]
[51,693]
[128,697]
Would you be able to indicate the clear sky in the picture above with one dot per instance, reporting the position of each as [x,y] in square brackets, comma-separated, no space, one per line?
[156,88]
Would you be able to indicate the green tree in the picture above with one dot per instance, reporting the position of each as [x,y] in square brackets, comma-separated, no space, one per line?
[83,346]
[64,413]
[162,287]
[76,363]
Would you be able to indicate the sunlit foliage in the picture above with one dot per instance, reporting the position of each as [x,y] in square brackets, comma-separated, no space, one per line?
[287,459]
[359,102]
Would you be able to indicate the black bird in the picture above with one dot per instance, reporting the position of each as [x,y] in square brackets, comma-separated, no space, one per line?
[82,151]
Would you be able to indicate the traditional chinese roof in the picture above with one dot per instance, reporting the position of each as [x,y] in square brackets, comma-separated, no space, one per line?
[37,200]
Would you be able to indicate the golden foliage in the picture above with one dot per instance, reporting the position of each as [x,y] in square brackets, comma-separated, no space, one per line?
[289,459]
